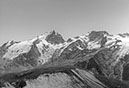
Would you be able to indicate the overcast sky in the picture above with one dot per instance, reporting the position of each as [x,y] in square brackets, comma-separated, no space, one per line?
[25,19]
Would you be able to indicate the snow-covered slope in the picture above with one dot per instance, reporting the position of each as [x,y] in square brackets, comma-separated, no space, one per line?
[51,45]
[31,53]
[98,51]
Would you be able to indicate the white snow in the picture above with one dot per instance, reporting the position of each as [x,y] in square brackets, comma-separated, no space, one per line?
[17,48]
[93,45]
[79,47]
[24,47]
[124,47]
[8,43]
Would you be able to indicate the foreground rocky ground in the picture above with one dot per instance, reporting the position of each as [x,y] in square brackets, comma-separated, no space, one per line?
[59,77]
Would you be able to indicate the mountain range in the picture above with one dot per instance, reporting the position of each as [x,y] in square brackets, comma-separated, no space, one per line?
[93,60]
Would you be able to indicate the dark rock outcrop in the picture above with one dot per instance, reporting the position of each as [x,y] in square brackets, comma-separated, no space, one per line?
[55,38]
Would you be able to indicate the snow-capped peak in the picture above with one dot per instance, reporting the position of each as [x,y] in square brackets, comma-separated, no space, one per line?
[43,48]
[40,48]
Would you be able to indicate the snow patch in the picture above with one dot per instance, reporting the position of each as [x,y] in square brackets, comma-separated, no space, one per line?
[17,48]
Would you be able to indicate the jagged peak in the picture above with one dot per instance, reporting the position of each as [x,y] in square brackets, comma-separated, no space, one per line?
[44,35]
[53,32]
[54,37]
[100,32]
[51,37]
[97,34]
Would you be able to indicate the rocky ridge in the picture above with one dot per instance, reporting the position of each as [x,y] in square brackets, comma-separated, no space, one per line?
[98,54]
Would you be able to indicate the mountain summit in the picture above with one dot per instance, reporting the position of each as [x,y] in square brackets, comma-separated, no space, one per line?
[54,38]
[94,60]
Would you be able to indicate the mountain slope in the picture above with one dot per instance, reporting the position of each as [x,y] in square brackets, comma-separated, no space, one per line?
[103,56]
[31,53]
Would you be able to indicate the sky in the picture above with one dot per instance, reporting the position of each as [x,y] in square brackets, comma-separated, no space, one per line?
[25,19]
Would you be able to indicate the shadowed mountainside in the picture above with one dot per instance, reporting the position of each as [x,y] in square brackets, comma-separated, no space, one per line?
[94,60]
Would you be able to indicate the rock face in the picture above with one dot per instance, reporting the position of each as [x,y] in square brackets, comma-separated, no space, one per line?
[54,38]
[20,56]
[94,60]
